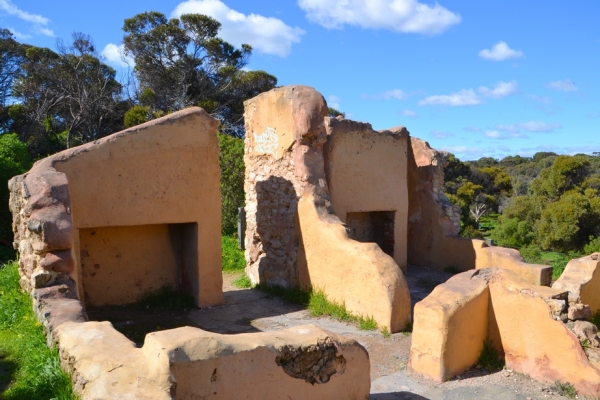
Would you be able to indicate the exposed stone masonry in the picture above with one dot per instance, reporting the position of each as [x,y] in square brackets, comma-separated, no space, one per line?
[272,193]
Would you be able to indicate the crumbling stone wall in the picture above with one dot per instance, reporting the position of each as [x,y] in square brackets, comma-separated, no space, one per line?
[497,306]
[293,235]
[431,217]
[271,241]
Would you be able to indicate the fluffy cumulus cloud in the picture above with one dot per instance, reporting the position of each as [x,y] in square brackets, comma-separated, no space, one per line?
[502,89]
[114,55]
[39,23]
[464,97]
[408,16]
[564,86]
[267,35]
[408,113]
[500,52]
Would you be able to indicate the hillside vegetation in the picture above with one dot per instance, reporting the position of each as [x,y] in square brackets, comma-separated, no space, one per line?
[544,203]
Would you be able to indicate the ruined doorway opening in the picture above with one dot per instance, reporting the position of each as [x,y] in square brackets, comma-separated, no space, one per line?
[373,227]
[120,264]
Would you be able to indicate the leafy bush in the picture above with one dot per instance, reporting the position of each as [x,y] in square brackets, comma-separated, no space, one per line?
[231,162]
[558,266]
[232,258]
[14,160]
[593,246]
[511,232]
[137,115]
[469,231]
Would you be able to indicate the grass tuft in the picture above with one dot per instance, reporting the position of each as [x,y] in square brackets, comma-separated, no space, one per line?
[28,368]
[232,258]
[243,282]
[566,389]
[489,357]
[385,332]
[408,330]
[317,303]
[595,319]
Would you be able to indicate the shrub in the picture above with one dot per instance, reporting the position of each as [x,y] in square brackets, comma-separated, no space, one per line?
[137,115]
[231,162]
[513,233]
[489,357]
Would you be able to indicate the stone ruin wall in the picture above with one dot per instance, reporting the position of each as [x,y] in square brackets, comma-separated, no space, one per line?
[306,360]
[271,242]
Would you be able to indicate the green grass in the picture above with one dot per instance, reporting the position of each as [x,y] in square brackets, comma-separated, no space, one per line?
[385,332]
[232,258]
[243,282]
[28,368]
[408,330]
[595,319]
[489,357]
[566,389]
[317,303]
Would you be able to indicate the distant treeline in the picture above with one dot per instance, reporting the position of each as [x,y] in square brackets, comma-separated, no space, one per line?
[547,202]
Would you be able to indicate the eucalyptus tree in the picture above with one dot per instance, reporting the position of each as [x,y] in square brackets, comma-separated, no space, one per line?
[181,62]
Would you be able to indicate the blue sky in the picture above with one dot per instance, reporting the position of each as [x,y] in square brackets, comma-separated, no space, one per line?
[489,78]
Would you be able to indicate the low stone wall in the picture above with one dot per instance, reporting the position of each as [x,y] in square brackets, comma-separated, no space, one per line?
[525,322]
[582,278]
[301,362]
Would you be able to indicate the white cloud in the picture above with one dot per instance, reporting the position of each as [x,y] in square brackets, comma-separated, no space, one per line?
[408,113]
[471,129]
[494,135]
[395,94]
[441,135]
[266,34]
[502,89]
[500,52]
[564,86]
[114,55]
[333,101]
[534,126]
[498,135]
[464,97]
[507,128]
[40,23]
[408,16]
[18,34]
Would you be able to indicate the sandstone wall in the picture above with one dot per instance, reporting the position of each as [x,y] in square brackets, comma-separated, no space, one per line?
[303,362]
[431,217]
[366,172]
[537,329]
[96,213]
[293,235]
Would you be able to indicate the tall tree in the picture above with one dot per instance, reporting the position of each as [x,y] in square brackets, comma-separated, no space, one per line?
[12,54]
[71,94]
[181,62]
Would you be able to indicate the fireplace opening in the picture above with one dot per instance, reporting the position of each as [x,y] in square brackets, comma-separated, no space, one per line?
[121,264]
[373,227]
